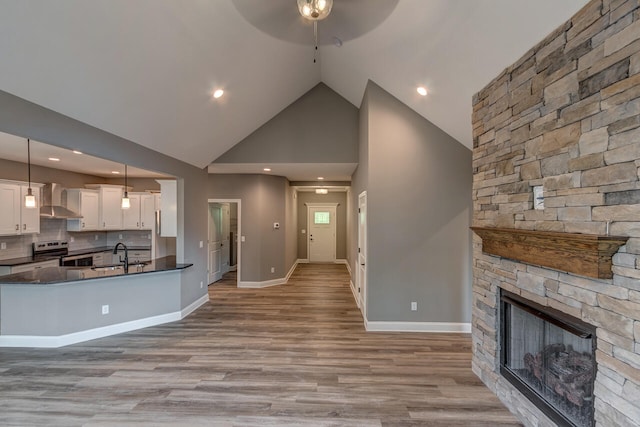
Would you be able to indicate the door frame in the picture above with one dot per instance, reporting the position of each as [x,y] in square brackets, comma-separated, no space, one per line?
[238,241]
[333,206]
[215,218]
[362,243]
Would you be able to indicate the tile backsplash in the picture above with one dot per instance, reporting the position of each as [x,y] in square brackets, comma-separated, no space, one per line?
[56,229]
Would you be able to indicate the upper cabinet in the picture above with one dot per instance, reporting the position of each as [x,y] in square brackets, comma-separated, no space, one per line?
[110,207]
[15,218]
[87,203]
[141,214]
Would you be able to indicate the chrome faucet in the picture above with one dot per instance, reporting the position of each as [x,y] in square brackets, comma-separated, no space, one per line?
[126,255]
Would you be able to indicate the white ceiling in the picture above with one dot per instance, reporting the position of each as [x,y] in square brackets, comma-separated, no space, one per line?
[144,69]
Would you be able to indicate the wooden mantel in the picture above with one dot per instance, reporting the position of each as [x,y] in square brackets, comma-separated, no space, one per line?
[583,254]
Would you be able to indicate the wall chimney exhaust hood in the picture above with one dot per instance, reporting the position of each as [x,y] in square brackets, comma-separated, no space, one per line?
[52,203]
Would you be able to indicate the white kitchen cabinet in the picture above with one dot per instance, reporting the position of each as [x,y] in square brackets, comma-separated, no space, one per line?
[9,209]
[15,218]
[110,207]
[87,203]
[147,211]
[168,208]
[141,214]
[131,216]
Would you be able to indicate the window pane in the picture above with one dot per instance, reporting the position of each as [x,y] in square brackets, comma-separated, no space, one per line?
[322,218]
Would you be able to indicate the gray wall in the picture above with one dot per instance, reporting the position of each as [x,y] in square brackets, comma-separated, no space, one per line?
[419,206]
[22,118]
[319,127]
[263,203]
[341,218]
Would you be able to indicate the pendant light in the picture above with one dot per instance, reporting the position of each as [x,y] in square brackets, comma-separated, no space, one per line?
[126,202]
[29,199]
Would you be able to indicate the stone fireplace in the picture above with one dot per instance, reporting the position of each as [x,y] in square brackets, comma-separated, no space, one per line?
[548,356]
[564,117]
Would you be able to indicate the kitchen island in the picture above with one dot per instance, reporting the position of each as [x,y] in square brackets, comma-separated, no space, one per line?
[57,306]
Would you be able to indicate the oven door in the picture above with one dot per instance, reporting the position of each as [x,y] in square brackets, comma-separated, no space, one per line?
[77,261]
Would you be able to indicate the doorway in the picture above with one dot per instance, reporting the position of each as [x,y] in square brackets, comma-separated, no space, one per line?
[224,239]
[362,252]
[321,222]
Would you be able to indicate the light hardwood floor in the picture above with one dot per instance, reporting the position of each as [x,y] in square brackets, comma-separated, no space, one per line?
[289,355]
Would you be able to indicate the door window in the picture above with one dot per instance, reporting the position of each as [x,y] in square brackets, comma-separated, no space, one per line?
[322,218]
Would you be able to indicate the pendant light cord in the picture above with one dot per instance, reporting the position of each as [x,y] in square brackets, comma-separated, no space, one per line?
[125,181]
[315,38]
[29,161]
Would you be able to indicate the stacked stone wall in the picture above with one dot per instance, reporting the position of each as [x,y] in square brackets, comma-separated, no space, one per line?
[565,116]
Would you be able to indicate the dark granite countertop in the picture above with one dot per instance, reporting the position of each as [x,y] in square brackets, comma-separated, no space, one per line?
[60,275]
[29,260]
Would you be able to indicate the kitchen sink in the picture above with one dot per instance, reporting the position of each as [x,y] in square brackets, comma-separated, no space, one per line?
[107,267]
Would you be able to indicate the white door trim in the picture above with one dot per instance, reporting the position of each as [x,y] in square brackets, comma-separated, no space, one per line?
[238,237]
[361,255]
[333,206]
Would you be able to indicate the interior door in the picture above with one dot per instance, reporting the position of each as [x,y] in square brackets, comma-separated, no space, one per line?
[225,218]
[215,243]
[362,252]
[322,233]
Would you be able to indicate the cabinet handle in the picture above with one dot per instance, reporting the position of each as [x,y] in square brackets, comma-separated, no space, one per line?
[137,224]
[143,224]
[24,226]
[104,225]
[83,224]
[17,227]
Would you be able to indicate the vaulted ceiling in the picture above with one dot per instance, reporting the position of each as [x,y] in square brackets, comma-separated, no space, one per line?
[145,69]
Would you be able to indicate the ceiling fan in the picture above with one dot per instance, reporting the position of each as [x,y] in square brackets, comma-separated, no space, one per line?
[288,20]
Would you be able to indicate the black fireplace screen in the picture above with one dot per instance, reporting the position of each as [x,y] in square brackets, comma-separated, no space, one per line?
[550,357]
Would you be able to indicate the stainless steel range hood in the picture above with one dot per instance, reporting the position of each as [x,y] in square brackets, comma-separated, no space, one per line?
[52,203]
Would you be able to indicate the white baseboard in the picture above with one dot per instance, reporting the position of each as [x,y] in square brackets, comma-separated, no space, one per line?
[354,292]
[76,337]
[374,326]
[194,306]
[272,282]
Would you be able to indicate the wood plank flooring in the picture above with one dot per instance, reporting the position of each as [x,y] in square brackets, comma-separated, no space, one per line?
[289,355]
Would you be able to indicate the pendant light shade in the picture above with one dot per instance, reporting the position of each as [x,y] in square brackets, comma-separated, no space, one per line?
[126,202]
[315,10]
[29,199]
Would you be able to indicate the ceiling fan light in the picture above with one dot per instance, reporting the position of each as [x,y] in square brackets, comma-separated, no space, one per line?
[315,10]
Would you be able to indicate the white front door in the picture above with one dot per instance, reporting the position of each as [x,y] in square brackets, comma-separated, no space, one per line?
[322,233]
[215,253]
[362,252]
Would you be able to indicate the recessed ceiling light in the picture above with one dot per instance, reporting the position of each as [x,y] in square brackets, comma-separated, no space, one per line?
[54,159]
[115,172]
[321,178]
[218,93]
[267,169]
[422,90]
[77,152]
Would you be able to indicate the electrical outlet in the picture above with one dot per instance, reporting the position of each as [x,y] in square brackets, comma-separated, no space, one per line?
[3,245]
[71,239]
[119,236]
[242,239]
[201,243]
[414,306]
[304,231]
[201,283]
[96,238]
[273,269]
[105,309]
[149,236]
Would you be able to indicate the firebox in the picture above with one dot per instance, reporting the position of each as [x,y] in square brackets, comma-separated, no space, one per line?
[550,357]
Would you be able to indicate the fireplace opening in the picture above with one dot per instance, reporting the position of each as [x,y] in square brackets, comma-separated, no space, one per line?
[550,357]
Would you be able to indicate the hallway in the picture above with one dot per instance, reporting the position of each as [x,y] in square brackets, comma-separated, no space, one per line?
[294,354]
